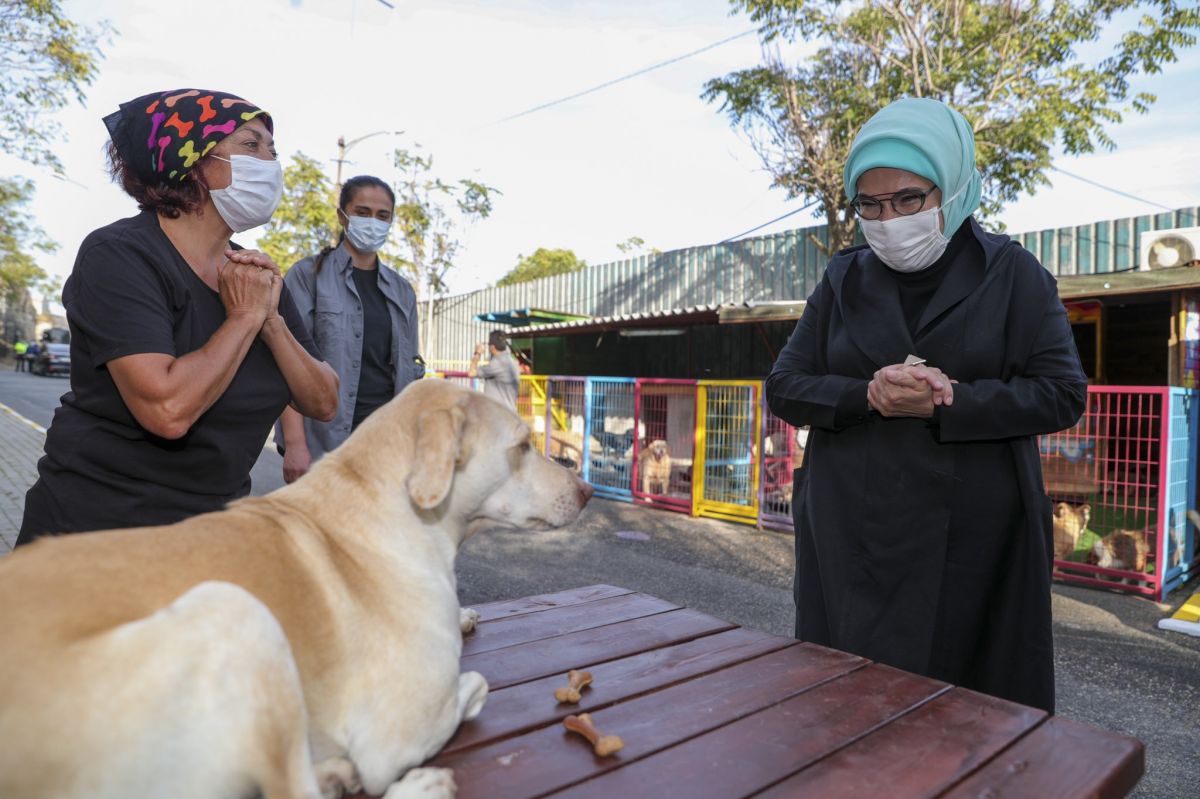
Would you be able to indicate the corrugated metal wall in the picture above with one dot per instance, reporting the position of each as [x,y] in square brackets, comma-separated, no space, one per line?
[781,266]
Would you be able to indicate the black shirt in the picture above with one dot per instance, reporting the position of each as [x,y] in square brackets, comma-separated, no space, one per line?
[131,292]
[375,385]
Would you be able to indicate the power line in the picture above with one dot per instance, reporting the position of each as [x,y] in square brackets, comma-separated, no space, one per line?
[615,81]
[1098,185]
[808,204]
[1109,188]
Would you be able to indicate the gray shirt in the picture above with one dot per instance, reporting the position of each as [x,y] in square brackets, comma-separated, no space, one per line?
[332,310]
[501,378]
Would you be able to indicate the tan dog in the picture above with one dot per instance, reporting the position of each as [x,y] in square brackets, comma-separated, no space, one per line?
[1069,522]
[199,660]
[654,465]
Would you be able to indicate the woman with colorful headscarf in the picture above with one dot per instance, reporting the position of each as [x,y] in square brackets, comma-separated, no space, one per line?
[927,362]
[184,347]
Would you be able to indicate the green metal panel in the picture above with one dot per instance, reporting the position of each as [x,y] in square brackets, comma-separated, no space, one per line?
[1048,252]
[1123,257]
[1104,246]
[1065,258]
[1084,260]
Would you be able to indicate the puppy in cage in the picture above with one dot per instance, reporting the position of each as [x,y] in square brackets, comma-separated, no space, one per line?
[654,465]
[1123,550]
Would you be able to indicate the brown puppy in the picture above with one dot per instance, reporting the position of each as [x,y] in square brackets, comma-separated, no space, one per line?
[1069,522]
[654,465]
[1122,549]
[293,645]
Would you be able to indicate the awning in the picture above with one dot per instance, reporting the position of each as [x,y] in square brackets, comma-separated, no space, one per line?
[1113,284]
[674,319]
[522,317]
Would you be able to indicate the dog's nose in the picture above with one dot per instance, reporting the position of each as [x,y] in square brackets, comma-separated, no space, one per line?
[585,492]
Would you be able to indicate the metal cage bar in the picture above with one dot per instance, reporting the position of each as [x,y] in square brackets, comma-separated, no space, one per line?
[664,449]
[1108,476]
[727,450]
[565,422]
[609,436]
[531,407]
[782,450]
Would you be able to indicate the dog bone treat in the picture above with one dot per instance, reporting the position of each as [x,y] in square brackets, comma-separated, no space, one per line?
[575,681]
[602,745]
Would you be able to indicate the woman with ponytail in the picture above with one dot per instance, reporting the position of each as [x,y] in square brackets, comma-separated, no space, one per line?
[363,318]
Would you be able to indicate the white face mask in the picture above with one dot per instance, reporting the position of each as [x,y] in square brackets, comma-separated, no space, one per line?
[367,233]
[908,243]
[254,191]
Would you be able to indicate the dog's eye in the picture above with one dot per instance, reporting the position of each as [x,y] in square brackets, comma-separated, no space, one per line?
[525,446]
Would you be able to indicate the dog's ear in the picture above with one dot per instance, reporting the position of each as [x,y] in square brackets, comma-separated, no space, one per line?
[438,447]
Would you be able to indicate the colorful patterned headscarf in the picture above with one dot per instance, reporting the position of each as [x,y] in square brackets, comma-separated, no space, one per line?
[162,135]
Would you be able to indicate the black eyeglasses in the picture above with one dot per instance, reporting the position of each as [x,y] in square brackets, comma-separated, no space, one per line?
[905,202]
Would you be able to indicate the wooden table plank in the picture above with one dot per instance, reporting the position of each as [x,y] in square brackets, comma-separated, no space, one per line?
[529,705]
[561,620]
[550,758]
[1059,758]
[490,611]
[754,752]
[920,754]
[550,656]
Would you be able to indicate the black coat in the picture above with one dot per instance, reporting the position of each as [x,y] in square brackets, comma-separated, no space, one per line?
[927,544]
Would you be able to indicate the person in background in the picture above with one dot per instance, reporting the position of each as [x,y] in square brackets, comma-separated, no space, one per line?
[31,354]
[185,348]
[363,317]
[501,375]
[19,350]
[927,363]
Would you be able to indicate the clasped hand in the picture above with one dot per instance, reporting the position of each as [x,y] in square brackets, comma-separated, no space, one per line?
[249,284]
[909,391]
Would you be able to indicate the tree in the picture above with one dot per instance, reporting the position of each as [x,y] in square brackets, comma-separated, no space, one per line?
[430,214]
[306,219]
[19,239]
[543,263]
[636,245]
[1010,66]
[46,60]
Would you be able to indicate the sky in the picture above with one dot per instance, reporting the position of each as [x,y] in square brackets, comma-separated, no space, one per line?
[646,157]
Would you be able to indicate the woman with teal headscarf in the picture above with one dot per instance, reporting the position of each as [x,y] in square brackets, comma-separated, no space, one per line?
[926,363]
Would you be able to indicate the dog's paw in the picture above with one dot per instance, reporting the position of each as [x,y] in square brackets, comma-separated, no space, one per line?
[472,693]
[467,619]
[337,776]
[424,783]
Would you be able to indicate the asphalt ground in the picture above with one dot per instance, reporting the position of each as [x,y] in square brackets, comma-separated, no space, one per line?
[1114,668]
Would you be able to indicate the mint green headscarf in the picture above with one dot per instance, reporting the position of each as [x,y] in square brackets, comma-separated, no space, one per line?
[925,137]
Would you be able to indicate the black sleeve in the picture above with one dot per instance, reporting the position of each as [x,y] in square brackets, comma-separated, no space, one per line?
[1047,394]
[296,323]
[121,303]
[800,390]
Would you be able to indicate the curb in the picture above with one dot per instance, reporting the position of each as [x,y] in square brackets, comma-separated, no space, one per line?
[22,419]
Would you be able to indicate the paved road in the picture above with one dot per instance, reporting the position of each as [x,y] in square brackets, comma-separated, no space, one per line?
[1114,668]
[35,398]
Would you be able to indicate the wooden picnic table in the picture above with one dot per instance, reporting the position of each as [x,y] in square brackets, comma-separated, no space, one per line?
[710,709]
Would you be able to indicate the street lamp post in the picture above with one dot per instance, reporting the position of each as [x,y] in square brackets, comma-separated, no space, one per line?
[344,147]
